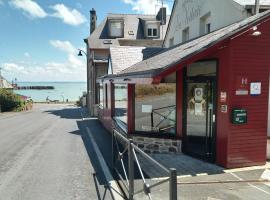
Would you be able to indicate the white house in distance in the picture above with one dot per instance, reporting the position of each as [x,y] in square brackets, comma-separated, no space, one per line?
[193,18]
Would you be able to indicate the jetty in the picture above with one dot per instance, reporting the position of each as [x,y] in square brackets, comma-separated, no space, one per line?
[33,87]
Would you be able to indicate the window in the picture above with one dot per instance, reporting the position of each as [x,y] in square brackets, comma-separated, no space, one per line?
[205,24]
[116,28]
[185,35]
[202,68]
[149,32]
[152,32]
[171,41]
[155,107]
[155,32]
[121,98]
[208,28]
[101,95]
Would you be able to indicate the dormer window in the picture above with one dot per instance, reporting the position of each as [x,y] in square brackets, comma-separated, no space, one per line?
[152,32]
[152,29]
[116,28]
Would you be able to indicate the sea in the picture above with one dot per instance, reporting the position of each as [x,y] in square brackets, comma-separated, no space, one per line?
[63,91]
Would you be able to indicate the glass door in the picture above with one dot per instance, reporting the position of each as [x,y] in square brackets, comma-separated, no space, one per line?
[200,119]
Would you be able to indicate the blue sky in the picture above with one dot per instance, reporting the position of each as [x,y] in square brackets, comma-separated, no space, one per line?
[38,39]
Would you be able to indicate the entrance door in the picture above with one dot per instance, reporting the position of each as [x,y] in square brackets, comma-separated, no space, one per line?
[200,119]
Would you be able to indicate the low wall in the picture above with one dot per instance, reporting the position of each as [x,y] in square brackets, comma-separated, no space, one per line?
[158,145]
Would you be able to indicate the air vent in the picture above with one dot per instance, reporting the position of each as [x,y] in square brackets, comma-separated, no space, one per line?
[107,42]
[131,33]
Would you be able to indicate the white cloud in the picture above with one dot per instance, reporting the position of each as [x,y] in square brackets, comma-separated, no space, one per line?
[73,69]
[29,7]
[65,46]
[1,2]
[146,6]
[12,67]
[67,15]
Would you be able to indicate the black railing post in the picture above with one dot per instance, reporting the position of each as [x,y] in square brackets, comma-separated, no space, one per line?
[131,169]
[113,156]
[152,119]
[173,184]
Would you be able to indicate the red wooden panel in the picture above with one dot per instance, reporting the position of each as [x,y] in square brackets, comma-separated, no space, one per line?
[249,58]
[179,104]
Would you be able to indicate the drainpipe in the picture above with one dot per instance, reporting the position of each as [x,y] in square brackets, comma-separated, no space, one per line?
[257,7]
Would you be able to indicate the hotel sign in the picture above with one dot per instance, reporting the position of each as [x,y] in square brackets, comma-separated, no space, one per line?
[242,86]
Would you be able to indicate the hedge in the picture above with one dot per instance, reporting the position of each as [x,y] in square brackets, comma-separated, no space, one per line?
[9,101]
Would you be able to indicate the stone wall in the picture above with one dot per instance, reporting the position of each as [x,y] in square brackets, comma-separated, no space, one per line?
[158,145]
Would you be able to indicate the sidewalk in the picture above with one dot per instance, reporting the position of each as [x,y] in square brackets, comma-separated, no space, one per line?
[191,172]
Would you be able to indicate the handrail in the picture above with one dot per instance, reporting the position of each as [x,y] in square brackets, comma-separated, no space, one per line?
[131,149]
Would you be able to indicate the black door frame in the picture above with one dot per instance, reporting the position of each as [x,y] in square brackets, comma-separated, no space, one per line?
[201,79]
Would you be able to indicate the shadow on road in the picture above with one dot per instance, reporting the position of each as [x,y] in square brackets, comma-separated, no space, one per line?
[66,113]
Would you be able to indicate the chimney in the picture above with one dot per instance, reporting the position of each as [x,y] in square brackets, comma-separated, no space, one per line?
[93,20]
[161,16]
[257,7]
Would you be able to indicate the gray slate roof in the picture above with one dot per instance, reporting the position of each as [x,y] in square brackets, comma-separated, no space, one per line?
[131,23]
[252,2]
[175,55]
[122,57]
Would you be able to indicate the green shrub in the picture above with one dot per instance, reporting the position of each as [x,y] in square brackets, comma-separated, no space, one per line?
[9,101]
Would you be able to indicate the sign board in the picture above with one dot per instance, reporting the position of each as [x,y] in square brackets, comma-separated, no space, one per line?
[146,108]
[241,85]
[223,97]
[241,92]
[239,116]
[224,108]
[255,88]
[198,96]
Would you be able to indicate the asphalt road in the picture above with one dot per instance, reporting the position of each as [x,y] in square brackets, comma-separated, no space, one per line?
[43,156]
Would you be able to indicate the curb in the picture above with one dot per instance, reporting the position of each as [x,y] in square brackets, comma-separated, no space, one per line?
[112,184]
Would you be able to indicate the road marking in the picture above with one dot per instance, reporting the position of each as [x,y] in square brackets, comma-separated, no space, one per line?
[254,186]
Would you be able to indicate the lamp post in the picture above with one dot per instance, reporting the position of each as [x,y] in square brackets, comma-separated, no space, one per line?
[80,53]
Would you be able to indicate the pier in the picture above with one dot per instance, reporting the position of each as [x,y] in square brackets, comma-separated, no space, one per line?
[34,87]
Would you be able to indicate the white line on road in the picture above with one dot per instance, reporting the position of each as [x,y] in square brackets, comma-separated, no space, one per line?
[254,186]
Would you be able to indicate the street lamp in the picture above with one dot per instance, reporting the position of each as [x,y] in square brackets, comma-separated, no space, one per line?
[80,53]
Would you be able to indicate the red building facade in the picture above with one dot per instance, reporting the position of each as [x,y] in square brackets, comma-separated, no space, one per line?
[221,95]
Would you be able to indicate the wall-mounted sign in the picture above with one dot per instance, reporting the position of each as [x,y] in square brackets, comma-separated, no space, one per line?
[223,97]
[198,96]
[255,88]
[239,116]
[241,85]
[241,92]
[224,108]
[146,108]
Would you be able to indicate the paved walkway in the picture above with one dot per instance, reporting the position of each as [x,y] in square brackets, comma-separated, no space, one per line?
[191,171]
[45,156]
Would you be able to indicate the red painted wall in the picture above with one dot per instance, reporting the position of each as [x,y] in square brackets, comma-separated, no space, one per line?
[105,114]
[248,57]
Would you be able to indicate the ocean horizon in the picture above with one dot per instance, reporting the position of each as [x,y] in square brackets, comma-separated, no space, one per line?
[62,91]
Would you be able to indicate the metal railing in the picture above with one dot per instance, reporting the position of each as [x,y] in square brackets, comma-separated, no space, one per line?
[124,149]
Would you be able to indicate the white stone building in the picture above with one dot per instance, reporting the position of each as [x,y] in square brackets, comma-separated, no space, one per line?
[193,18]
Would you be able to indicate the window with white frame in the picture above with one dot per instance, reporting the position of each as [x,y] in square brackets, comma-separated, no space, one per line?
[185,34]
[116,28]
[152,29]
